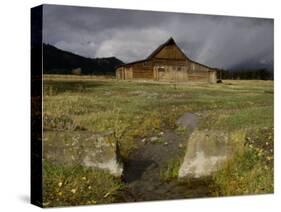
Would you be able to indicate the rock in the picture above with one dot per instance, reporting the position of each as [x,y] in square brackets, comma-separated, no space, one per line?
[205,153]
[161,133]
[154,138]
[143,140]
[98,151]
[188,120]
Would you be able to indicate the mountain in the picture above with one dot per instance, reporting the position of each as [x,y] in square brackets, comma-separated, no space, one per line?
[57,61]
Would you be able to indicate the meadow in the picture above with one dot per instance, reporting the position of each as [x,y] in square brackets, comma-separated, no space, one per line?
[138,110]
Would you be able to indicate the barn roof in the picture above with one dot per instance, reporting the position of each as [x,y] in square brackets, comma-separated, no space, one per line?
[169,42]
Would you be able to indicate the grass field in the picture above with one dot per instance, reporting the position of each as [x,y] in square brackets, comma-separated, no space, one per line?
[136,110]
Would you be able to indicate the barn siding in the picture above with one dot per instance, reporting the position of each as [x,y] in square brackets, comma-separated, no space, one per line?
[143,73]
[212,77]
[170,72]
[201,76]
[170,52]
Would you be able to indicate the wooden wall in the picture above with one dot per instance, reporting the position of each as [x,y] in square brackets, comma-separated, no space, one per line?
[169,71]
[124,73]
[202,76]
[212,76]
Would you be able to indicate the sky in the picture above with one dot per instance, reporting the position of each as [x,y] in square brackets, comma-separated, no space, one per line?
[216,41]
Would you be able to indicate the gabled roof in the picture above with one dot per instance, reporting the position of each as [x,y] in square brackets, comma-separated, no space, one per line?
[170,41]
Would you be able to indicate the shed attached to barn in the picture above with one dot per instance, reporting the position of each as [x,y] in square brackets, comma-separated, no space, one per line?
[167,63]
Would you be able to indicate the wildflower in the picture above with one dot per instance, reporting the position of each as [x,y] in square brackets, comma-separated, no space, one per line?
[73,191]
[60,184]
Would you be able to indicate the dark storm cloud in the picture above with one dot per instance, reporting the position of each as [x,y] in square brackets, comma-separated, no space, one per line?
[218,41]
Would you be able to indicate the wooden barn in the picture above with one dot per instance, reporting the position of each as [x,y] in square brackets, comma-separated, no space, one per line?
[167,63]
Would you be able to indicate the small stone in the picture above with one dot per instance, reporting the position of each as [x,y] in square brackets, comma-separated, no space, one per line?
[161,133]
[180,145]
[143,140]
[166,143]
[152,139]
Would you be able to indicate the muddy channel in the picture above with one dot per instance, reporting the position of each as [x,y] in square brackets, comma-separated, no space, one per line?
[143,166]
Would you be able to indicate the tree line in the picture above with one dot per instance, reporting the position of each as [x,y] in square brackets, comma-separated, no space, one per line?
[257,74]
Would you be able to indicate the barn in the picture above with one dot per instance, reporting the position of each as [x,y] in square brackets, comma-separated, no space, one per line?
[167,63]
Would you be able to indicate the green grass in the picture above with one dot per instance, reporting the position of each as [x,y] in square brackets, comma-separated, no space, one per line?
[248,117]
[250,171]
[141,109]
[76,185]
[170,170]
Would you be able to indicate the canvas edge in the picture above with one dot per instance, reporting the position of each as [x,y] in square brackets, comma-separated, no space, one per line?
[36,18]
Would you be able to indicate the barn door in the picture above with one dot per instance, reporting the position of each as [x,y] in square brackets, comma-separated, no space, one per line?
[161,73]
